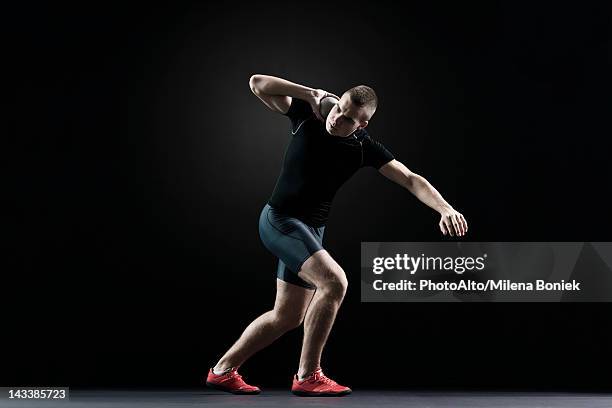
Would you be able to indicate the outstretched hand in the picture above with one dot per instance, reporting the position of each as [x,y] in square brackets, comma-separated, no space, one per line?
[315,101]
[453,223]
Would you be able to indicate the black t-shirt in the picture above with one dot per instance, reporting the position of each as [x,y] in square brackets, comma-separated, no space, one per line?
[316,165]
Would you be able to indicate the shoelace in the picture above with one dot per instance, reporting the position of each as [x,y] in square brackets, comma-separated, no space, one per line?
[319,376]
[234,374]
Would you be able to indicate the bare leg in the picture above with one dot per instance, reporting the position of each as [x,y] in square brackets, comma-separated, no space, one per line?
[322,271]
[289,310]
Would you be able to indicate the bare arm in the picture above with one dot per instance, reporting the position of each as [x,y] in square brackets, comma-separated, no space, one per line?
[276,93]
[452,221]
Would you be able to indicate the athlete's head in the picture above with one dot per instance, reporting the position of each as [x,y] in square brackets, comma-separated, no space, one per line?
[352,112]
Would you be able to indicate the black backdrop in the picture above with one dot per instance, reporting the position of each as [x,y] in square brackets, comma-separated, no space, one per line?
[138,162]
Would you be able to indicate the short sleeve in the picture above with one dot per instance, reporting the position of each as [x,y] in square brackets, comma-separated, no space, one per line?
[375,154]
[298,112]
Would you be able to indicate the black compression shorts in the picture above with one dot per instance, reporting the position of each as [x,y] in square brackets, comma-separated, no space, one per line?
[291,241]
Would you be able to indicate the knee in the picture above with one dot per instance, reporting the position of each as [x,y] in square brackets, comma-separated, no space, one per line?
[288,319]
[335,284]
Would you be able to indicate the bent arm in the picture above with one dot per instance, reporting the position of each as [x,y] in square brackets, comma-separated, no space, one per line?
[276,93]
[417,185]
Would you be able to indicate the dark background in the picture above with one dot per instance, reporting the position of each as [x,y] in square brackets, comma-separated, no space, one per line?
[138,162]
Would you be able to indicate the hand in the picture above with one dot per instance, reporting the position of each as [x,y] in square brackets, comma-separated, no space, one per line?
[315,101]
[453,223]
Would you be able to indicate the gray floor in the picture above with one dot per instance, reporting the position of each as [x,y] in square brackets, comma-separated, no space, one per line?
[282,398]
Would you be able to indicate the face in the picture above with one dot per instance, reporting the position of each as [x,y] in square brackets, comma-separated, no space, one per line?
[345,117]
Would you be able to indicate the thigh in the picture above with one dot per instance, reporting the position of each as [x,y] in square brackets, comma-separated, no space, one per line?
[289,239]
[285,274]
[292,299]
[320,269]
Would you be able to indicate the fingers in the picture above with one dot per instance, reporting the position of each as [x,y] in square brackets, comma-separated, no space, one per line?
[464,222]
[443,228]
[448,226]
[452,225]
[459,222]
[455,227]
[453,222]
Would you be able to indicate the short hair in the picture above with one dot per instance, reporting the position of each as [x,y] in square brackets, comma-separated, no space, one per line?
[363,96]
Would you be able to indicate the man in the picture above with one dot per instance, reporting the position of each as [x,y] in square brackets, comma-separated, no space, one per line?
[329,144]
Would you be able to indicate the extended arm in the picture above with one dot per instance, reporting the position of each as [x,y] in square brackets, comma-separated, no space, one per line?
[276,93]
[451,222]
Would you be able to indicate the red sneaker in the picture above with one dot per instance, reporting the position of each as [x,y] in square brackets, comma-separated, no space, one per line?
[318,385]
[230,382]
